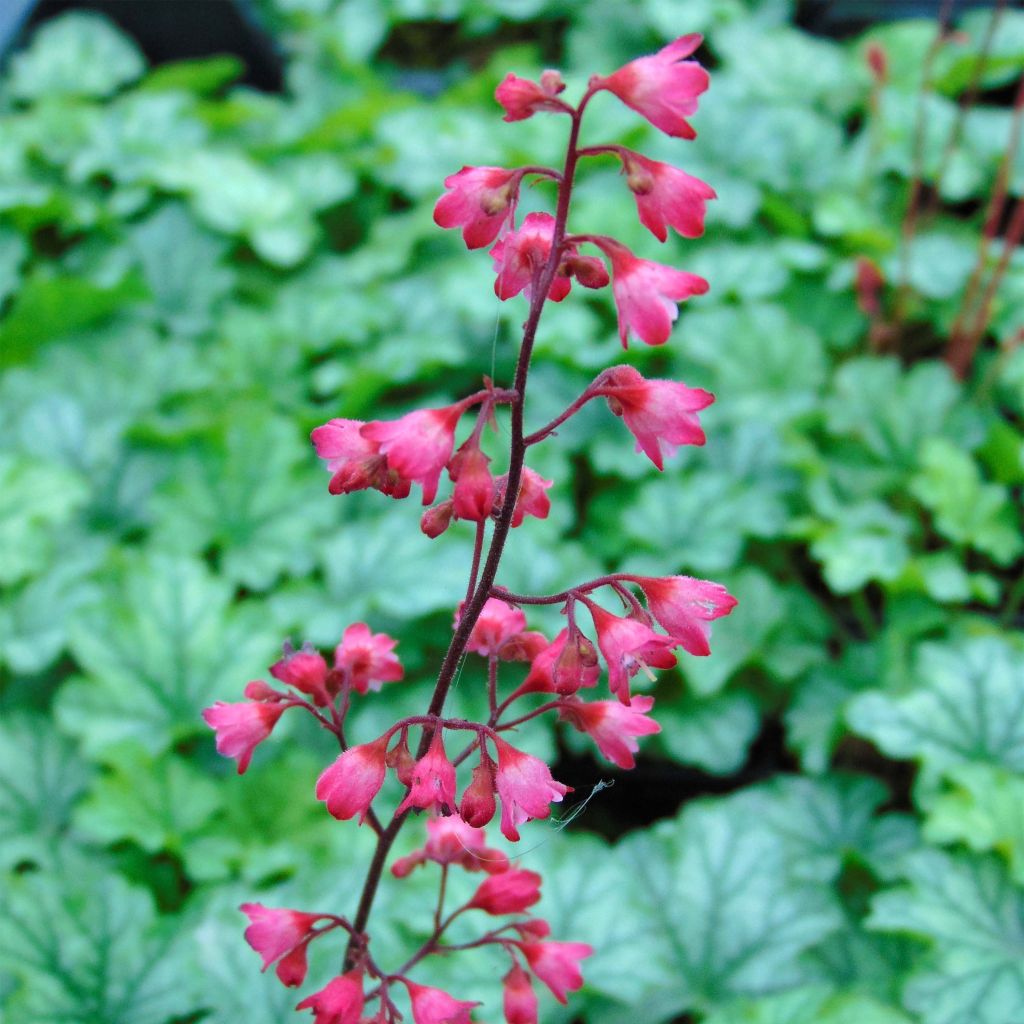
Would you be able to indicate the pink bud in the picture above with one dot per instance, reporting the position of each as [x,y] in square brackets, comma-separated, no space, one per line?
[259,690]
[433,779]
[551,82]
[511,892]
[478,803]
[520,98]
[590,271]
[576,665]
[878,62]
[306,671]
[531,500]
[401,761]
[349,785]
[241,728]
[436,520]
[473,497]
[520,1001]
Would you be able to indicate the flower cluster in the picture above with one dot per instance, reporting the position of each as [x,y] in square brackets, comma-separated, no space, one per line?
[616,626]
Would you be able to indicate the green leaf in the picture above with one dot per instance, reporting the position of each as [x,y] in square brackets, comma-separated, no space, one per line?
[713,733]
[77,54]
[966,510]
[84,947]
[158,803]
[200,75]
[811,1004]
[973,916]
[965,706]
[254,495]
[13,253]
[161,645]
[41,779]
[984,809]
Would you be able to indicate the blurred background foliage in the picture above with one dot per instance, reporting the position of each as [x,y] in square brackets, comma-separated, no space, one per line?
[830,828]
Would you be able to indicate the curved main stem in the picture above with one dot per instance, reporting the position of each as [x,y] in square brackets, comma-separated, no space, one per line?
[517,452]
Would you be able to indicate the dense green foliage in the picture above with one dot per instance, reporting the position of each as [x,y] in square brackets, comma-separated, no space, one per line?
[192,275]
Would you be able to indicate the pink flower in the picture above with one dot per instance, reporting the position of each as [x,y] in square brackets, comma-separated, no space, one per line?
[563,666]
[628,645]
[349,785]
[666,195]
[497,623]
[451,841]
[520,1002]
[526,788]
[511,892]
[365,658]
[684,606]
[306,670]
[522,98]
[647,293]
[433,1006]
[339,1002]
[473,496]
[531,500]
[418,444]
[656,412]
[520,253]
[478,806]
[241,728]
[480,200]
[433,780]
[557,964]
[662,87]
[355,462]
[611,725]
[280,934]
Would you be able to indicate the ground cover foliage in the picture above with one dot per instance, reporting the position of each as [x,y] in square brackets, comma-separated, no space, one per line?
[193,274]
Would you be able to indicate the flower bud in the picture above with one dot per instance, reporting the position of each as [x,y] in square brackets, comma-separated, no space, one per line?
[575,666]
[401,761]
[436,520]
[478,804]
[551,82]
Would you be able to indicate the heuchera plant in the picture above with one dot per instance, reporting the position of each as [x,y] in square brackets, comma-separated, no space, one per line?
[540,259]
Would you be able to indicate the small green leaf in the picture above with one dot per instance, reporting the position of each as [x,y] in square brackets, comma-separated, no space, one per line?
[713,733]
[811,1004]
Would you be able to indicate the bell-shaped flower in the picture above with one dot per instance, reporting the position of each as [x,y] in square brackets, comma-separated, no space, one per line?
[520,1001]
[521,253]
[340,1001]
[280,934]
[613,726]
[241,727]
[685,607]
[451,841]
[366,658]
[660,414]
[526,788]
[511,892]
[433,780]
[355,461]
[497,623]
[520,98]
[349,784]
[479,200]
[418,444]
[306,670]
[647,293]
[473,495]
[663,87]
[665,195]
[532,499]
[568,663]
[557,964]
[434,1006]
[478,804]
[628,646]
